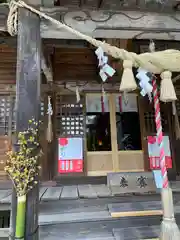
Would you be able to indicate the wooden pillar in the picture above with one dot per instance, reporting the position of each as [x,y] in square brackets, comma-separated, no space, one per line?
[114,144]
[28,80]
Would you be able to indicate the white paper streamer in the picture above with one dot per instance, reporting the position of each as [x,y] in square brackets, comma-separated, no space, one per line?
[125,98]
[105,70]
[49,110]
[78,98]
[146,87]
[173,108]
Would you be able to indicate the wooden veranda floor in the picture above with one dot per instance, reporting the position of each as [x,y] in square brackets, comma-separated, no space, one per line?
[89,212]
[65,192]
[75,192]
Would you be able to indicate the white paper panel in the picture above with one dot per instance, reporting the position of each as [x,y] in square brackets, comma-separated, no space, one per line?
[128,104]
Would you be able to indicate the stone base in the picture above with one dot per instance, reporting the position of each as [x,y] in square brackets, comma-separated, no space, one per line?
[132,182]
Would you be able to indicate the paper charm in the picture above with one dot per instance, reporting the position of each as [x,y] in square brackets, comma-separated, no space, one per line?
[49,110]
[158,179]
[78,98]
[105,70]
[125,98]
[103,92]
[174,108]
[144,79]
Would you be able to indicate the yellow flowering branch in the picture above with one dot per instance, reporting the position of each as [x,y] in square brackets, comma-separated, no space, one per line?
[23,169]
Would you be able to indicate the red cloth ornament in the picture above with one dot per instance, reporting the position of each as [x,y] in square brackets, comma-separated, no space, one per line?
[63,141]
[151,139]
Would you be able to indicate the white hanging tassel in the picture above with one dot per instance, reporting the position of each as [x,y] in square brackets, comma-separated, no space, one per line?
[78,98]
[176,120]
[49,135]
[167,91]
[128,82]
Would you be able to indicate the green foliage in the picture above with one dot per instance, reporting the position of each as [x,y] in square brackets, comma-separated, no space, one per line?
[23,165]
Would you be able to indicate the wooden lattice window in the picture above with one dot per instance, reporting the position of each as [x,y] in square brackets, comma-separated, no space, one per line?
[69,116]
[7,113]
[42,109]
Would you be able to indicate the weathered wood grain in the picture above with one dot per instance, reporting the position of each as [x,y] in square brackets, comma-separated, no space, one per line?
[135,209]
[86,191]
[136,233]
[102,190]
[28,95]
[69,192]
[135,206]
[52,193]
[4,193]
[45,219]
[42,190]
[6,199]
[123,24]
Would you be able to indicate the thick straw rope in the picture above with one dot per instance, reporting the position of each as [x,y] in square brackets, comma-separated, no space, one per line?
[156,62]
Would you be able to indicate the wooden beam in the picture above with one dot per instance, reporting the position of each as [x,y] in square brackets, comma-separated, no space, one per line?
[113,24]
[100,3]
[47,68]
[28,95]
[48,3]
[125,4]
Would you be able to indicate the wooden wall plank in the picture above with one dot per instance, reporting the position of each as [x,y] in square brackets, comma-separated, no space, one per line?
[75,63]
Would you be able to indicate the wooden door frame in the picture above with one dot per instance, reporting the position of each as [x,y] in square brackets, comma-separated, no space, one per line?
[114,144]
[142,129]
[55,174]
[113,128]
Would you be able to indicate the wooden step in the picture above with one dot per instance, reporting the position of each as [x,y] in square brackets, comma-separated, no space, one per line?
[137,209]
[137,233]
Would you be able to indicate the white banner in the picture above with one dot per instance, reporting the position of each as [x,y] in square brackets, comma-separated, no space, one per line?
[97,103]
[126,103]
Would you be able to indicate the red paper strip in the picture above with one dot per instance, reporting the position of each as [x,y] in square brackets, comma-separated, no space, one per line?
[155,162]
[69,166]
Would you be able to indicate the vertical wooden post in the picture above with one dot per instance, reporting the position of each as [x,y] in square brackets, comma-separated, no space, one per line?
[114,144]
[141,109]
[28,80]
